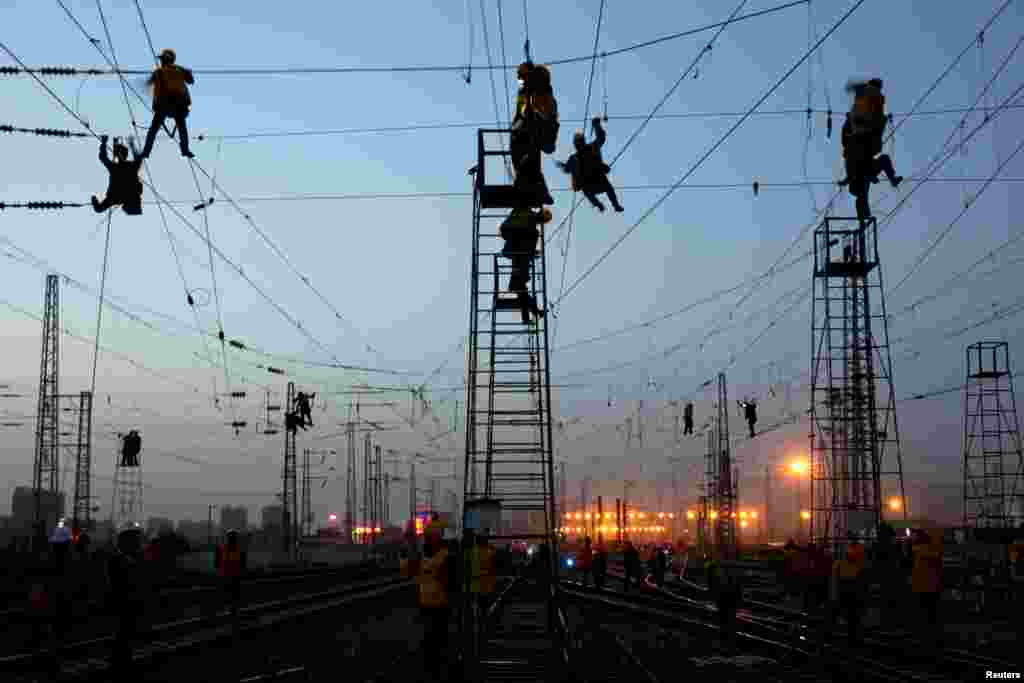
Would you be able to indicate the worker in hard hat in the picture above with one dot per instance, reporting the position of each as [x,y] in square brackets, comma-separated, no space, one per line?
[926,582]
[534,131]
[124,187]
[128,588]
[521,233]
[434,587]
[861,138]
[171,100]
[588,171]
[231,563]
[851,587]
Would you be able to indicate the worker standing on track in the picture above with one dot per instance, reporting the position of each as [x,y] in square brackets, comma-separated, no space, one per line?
[434,589]
[885,566]
[631,560]
[584,561]
[728,593]
[660,563]
[850,575]
[126,575]
[926,583]
[600,565]
[231,564]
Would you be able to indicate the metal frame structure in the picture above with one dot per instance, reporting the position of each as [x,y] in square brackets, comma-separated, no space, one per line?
[509,438]
[993,486]
[128,503]
[46,466]
[854,437]
[81,405]
[722,494]
[289,485]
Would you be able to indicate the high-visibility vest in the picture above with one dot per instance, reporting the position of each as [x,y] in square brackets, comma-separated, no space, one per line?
[230,561]
[433,580]
[488,569]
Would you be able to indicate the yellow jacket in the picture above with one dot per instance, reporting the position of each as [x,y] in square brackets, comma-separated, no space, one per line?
[433,580]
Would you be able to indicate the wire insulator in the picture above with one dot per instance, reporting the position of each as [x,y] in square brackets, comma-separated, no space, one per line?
[276,371]
[234,343]
[237,394]
[191,301]
[220,335]
[239,424]
[757,186]
[39,205]
[828,124]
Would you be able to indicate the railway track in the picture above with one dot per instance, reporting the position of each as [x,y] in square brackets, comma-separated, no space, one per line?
[797,652]
[87,659]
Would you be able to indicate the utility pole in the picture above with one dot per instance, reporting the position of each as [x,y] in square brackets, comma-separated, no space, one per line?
[82,507]
[289,516]
[770,530]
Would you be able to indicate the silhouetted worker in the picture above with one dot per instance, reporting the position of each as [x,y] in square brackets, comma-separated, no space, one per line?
[588,170]
[631,560]
[886,567]
[688,419]
[230,564]
[303,406]
[521,233]
[171,99]
[725,586]
[862,142]
[585,561]
[750,415]
[852,588]
[130,449]
[126,574]
[534,130]
[124,187]
[926,583]
[600,565]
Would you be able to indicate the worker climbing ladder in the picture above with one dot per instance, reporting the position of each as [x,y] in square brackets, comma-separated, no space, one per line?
[855,446]
[509,461]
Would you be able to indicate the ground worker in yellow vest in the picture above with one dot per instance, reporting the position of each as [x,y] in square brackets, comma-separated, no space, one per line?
[851,587]
[434,588]
[230,562]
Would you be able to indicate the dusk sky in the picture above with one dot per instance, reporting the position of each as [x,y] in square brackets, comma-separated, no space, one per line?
[393,271]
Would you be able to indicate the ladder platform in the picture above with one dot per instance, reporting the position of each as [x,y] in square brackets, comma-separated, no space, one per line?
[508,197]
[841,269]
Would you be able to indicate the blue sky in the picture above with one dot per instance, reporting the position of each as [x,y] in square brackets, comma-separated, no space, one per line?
[397,269]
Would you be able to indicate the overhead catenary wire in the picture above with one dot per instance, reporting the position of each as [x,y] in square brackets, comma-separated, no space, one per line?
[721,140]
[340,70]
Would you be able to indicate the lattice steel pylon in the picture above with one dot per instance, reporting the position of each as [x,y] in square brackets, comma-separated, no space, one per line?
[509,447]
[289,483]
[81,406]
[993,488]
[719,476]
[46,467]
[855,446]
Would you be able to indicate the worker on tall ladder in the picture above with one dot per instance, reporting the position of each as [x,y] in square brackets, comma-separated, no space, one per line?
[750,415]
[862,142]
[521,233]
[433,589]
[230,563]
[588,171]
[171,99]
[124,187]
[688,418]
[534,130]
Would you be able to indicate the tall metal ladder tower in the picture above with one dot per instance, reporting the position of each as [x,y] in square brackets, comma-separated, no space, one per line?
[721,493]
[855,446]
[81,406]
[509,441]
[46,466]
[127,505]
[993,489]
[289,483]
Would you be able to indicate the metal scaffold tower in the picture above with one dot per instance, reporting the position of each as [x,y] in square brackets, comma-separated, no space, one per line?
[509,429]
[45,482]
[720,494]
[289,485]
[128,502]
[306,520]
[855,447]
[81,407]
[350,480]
[993,490]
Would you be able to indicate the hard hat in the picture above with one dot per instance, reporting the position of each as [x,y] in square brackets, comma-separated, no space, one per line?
[524,70]
[232,535]
[130,528]
[168,54]
[579,136]
[545,216]
[60,534]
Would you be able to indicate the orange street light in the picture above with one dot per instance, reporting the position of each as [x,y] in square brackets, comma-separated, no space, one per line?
[690,514]
[805,514]
[798,467]
[743,524]
[895,503]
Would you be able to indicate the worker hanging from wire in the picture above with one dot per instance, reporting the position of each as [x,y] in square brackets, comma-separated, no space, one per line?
[534,130]
[688,418]
[749,414]
[304,409]
[588,170]
[862,144]
[124,187]
[171,99]
[521,233]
